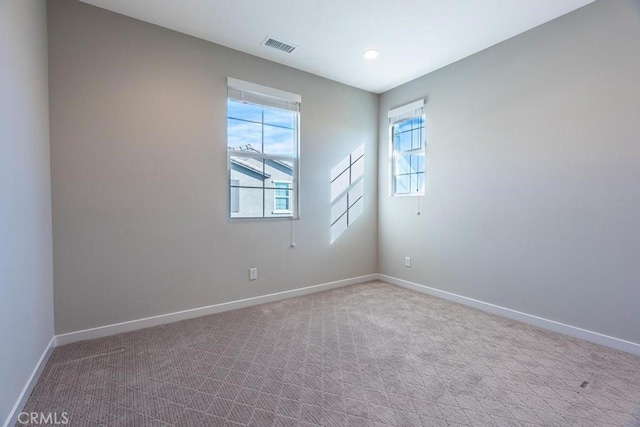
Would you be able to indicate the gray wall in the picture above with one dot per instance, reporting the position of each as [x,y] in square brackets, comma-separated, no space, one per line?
[533,174]
[139,174]
[26,284]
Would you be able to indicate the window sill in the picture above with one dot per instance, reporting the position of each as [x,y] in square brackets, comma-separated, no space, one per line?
[263,219]
[408,195]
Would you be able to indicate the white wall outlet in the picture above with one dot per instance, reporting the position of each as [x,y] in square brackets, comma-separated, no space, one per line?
[407,261]
[253,274]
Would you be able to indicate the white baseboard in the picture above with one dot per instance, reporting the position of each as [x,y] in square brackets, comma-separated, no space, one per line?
[573,331]
[12,419]
[103,331]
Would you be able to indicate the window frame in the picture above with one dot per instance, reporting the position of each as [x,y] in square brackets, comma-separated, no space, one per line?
[396,117]
[255,91]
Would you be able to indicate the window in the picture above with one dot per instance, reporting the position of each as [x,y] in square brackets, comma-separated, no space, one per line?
[262,147]
[408,143]
[282,199]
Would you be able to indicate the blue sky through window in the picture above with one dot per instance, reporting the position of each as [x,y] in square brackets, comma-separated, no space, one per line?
[266,129]
[409,162]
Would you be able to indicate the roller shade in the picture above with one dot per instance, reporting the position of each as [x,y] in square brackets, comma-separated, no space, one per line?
[406,111]
[253,93]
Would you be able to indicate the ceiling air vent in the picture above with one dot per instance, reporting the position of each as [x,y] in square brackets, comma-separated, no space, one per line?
[277,44]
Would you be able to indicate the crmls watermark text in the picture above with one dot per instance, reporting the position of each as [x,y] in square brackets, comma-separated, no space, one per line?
[50,418]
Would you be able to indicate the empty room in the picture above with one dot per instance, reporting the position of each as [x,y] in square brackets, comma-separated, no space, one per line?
[319,213]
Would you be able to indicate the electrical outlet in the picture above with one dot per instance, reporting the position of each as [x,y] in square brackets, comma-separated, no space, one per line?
[407,261]
[253,274]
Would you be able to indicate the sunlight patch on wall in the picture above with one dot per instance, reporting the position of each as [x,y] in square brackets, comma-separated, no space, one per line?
[347,192]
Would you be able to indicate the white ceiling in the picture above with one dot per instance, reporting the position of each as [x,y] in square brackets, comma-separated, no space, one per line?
[414,37]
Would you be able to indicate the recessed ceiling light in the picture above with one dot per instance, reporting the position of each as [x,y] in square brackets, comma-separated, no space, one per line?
[371,53]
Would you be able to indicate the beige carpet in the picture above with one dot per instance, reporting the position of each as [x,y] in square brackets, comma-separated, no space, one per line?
[363,355]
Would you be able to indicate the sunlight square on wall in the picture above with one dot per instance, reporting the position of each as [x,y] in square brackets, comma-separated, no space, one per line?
[347,192]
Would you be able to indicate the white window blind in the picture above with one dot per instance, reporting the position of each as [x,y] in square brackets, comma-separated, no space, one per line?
[254,93]
[415,109]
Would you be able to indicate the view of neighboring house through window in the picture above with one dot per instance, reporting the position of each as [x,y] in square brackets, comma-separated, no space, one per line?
[262,145]
[408,142]
[235,196]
